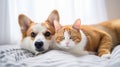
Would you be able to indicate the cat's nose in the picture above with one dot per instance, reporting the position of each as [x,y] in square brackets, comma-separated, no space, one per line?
[67,44]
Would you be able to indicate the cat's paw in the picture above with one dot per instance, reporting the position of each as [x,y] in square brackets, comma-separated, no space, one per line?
[106,56]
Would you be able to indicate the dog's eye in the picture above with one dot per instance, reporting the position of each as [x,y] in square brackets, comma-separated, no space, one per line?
[70,38]
[33,34]
[47,34]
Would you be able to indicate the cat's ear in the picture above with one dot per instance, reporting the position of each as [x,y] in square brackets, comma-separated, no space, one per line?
[77,24]
[57,25]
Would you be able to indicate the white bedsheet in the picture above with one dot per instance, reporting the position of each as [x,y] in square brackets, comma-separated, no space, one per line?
[13,56]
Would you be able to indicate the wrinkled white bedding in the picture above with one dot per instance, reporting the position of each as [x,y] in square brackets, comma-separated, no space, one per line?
[13,56]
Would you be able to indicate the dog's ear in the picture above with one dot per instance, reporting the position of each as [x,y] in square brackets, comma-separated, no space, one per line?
[24,22]
[57,25]
[53,16]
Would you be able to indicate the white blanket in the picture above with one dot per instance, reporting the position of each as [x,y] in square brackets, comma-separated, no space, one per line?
[13,56]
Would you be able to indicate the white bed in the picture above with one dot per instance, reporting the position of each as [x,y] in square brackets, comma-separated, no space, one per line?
[13,56]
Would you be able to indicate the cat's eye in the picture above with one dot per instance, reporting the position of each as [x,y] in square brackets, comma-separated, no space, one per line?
[75,38]
[60,38]
[47,34]
[33,34]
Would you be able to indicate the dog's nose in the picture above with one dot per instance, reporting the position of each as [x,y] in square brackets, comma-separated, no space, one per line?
[39,45]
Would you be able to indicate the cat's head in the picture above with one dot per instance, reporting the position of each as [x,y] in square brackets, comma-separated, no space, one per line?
[67,36]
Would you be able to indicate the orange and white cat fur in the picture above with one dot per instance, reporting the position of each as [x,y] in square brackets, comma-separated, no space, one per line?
[81,39]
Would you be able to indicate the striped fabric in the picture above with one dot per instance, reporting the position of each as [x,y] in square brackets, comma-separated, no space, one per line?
[16,57]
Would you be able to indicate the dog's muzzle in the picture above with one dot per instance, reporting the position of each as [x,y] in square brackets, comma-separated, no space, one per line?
[39,46]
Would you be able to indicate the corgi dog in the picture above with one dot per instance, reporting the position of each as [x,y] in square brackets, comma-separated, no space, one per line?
[83,39]
[37,37]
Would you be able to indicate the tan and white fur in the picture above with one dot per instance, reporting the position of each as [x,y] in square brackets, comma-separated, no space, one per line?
[81,39]
[37,37]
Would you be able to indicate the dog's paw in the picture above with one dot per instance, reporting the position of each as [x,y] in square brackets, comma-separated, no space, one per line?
[106,56]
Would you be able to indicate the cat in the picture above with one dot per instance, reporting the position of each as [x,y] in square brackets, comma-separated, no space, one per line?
[83,39]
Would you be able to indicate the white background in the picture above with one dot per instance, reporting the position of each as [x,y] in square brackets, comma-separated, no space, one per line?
[89,11]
